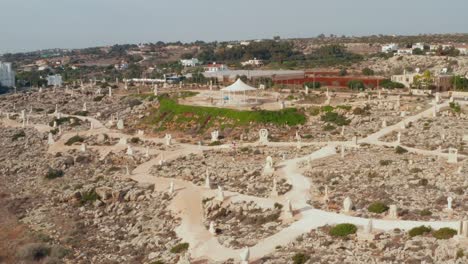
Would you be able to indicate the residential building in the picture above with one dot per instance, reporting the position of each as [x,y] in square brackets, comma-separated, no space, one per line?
[418,45]
[54,80]
[123,65]
[190,63]
[214,67]
[7,75]
[390,47]
[463,48]
[404,52]
[407,79]
[253,62]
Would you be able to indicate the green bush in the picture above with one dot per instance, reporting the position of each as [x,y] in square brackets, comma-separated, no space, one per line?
[377,207]
[328,127]
[343,230]
[335,118]
[300,258]
[400,150]
[425,212]
[356,85]
[18,135]
[88,196]
[327,108]
[388,84]
[314,111]
[444,233]
[179,248]
[216,143]
[73,140]
[53,174]
[420,230]
[455,107]
[81,113]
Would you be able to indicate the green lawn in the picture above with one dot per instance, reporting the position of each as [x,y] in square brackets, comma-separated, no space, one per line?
[204,117]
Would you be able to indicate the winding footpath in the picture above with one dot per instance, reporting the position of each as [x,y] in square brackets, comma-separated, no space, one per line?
[187,202]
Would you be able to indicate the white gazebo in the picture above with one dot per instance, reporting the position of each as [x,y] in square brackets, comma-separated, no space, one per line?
[238,87]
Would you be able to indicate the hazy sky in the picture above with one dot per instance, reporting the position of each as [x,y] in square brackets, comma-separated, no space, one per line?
[38,24]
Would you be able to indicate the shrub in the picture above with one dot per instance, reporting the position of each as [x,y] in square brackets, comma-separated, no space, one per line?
[215,143]
[455,107]
[33,252]
[343,230]
[53,174]
[134,140]
[335,118]
[444,233]
[425,212]
[385,162]
[420,230]
[18,135]
[328,127]
[327,108]
[356,85]
[300,258]
[179,248]
[81,113]
[377,207]
[73,140]
[460,253]
[98,98]
[314,111]
[89,196]
[400,150]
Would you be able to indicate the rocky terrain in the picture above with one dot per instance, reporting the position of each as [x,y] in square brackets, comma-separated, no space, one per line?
[418,185]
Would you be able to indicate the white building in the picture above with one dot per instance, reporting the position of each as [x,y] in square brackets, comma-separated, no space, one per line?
[215,67]
[462,48]
[7,75]
[253,62]
[404,52]
[54,80]
[418,45]
[190,63]
[390,47]
[407,79]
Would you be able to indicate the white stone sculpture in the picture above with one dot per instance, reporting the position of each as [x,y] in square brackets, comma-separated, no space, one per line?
[263,133]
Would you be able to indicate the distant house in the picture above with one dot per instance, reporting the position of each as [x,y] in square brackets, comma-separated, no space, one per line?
[190,63]
[389,47]
[418,45]
[463,48]
[404,52]
[213,67]
[54,80]
[253,62]
[123,65]
[407,79]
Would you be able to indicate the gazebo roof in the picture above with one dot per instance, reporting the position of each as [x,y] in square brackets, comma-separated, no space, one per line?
[238,86]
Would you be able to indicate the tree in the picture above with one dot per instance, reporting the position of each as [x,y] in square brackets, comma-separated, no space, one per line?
[356,85]
[388,84]
[460,83]
[418,51]
[424,80]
